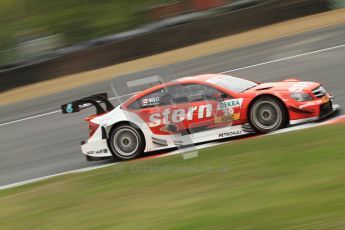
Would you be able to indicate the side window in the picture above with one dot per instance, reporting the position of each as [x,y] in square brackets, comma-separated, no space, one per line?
[149,100]
[198,92]
[178,94]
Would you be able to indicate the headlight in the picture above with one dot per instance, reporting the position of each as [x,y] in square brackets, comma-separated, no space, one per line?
[301,96]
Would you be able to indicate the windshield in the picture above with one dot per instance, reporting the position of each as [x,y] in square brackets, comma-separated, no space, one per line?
[233,83]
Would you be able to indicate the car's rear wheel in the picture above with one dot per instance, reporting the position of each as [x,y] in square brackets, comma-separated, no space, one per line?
[267,114]
[126,142]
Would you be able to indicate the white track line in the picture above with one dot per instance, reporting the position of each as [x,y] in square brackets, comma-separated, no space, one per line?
[29,118]
[52,112]
[286,58]
[232,70]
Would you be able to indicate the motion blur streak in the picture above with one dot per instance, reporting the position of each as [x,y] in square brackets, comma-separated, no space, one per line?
[227,71]
[52,112]
[286,58]
[50,145]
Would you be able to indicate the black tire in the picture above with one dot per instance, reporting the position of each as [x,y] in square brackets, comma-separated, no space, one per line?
[126,142]
[267,114]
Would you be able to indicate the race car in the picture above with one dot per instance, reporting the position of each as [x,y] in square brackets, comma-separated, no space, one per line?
[197,109]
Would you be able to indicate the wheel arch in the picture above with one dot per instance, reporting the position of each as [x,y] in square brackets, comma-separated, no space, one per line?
[120,123]
[272,96]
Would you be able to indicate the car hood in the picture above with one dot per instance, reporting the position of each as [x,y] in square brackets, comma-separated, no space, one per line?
[287,85]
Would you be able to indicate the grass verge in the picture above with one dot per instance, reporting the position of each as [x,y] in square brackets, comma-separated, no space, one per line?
[286,181]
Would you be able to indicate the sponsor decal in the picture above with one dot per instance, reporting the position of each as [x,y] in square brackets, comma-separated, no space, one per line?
[230,104]
[150,101]
[227,106]
[230,134]
[179,115]
[227,118]
[236,116]
[203,111]
[69,108]
[98,151]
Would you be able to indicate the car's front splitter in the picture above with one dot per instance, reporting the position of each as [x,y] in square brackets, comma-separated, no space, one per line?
[335,107]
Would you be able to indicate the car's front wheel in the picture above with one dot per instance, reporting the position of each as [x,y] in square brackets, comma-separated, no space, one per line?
[126,142]
[267,114]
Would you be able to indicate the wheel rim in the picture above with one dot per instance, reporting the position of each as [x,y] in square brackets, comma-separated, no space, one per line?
[266,115]
[126,142]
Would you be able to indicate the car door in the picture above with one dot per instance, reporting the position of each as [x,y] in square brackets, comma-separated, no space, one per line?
[184,108]
[152,110]
[203,101]
[175,109]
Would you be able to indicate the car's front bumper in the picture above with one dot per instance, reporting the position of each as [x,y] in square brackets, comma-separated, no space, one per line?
[324,112]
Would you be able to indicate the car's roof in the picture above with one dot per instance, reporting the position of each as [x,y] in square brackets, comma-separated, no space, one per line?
[200,78]
[183,80]
[186,80]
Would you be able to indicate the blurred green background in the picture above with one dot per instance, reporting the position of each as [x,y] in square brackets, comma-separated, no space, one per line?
[68,21]
[31,27]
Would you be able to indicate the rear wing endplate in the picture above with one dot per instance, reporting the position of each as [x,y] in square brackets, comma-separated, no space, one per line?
[93,100]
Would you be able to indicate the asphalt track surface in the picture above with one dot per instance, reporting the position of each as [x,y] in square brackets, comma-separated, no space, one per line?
[49,144]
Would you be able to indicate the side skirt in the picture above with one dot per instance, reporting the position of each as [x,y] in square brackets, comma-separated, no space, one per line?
[200,137]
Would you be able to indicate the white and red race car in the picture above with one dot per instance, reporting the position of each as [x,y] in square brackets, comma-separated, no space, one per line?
[197,109]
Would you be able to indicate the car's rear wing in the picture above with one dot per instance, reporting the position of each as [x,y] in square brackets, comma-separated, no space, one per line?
[93,100]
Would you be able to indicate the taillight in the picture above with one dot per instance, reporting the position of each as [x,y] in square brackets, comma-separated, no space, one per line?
[92,128]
